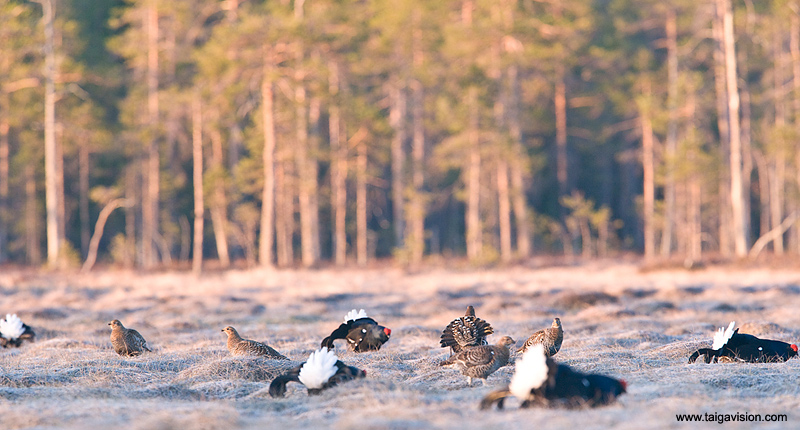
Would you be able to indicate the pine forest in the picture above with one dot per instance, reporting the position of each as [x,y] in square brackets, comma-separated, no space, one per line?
[296,133]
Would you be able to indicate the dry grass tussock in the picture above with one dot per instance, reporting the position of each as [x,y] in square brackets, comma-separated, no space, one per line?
[637,325]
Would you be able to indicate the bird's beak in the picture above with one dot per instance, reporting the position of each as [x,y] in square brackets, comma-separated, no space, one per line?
[624,385]
[794,347]
[388,331]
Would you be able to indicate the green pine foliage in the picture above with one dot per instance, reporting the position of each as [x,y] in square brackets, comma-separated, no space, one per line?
[484,68]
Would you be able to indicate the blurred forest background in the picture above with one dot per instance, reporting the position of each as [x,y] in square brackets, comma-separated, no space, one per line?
[154,133]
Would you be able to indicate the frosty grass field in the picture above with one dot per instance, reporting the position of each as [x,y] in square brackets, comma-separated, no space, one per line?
[637,325]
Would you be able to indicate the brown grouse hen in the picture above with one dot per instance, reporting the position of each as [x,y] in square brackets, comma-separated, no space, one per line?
[539,380]
[465,332]
[126,341]
[362,332]
[322,370]
[481,361]
[550,338]
[238,346]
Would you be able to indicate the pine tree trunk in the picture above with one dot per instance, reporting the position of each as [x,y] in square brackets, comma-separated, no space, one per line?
[219,205]
[4,168]
[397,121]
[501,173]
[131,188]
[776,174]
[747,152]
[648,169]
[61,212]
[695,221]
[504,209]
[268,158]
[31,217]
[151,162]
[314,113]
[778,171]
[794,49]
[50,146]
[284,212]
[731,79]
[416,215]
[763,192]
[517,183]
[83,199]
[361,205]
[197,182]
[473,173]
[306,183]
[724,211]
[672,133]
[338,171]
[561,133]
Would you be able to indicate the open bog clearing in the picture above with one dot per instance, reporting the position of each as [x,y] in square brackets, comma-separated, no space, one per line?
[638,326]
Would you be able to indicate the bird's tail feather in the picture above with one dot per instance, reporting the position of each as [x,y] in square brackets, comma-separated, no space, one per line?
[708,352]
[498,397]
[277,388]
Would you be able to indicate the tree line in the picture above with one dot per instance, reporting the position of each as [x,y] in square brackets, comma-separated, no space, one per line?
[147,133]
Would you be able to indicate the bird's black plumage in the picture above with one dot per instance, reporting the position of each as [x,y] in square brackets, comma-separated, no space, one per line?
[562,386]
[748,348]
[15,342]
[362,334]
[344,373]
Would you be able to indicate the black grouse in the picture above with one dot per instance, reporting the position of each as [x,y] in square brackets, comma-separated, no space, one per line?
[539,381]
[464,332]
[362,332]
[730,345]
[322,370]
[13,332]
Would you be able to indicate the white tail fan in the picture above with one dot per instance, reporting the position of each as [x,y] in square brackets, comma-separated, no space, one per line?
[531,372]
[321,365]
[353,315]
[722,336]
[11,328]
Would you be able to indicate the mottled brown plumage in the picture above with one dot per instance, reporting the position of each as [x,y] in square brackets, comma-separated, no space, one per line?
[550,338]
[464,332]
[239,346]
[126,342]
[481,361]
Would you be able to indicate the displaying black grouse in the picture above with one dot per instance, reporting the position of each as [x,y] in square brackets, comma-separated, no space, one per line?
[464,332]
[13,331]
[539,381]
[730,345]
[362,332]
[322,370]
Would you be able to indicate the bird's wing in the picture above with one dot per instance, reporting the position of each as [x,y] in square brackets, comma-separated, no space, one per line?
[136,338]
[478,356]
[535,338]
